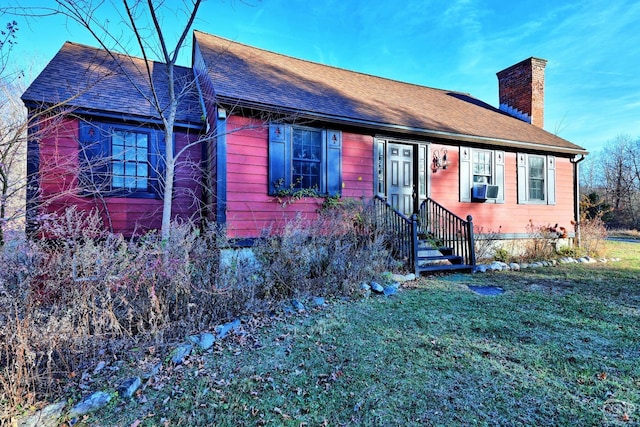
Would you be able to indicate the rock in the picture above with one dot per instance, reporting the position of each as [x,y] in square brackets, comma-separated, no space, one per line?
[514,266]
[100,366]
[48,416]
[204,340]
[91,403]
[155,369]
[377,287]
[398,277]
[129,386]
[365,287]
[481,268]
[288,309]
[223,330]
[319,302]
[297,305]
[207,339]
[180,352]
[583,260]
[389,291]
[524,265]
[486,290]
[403,278]
[495,266]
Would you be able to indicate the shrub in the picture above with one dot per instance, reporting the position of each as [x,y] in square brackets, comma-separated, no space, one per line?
[502,255]
[328,256]
[92,293]
[485,243]
[592,236]
[541,242]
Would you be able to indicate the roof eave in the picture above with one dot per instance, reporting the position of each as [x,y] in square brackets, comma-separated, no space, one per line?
[393,128]
[31,104]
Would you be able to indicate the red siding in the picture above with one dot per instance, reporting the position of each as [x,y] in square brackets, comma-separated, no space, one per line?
[127,215]
[507,217]
[249,207]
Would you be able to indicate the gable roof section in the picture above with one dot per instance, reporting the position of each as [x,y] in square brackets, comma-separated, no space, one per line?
[253,77]
[91,80]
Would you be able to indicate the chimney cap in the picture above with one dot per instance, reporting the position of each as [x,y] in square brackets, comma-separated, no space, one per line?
[532,60]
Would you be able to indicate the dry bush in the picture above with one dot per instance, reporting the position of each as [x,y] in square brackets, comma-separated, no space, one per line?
[487,243]
[540,244]
[593,234]
[329,256]
[94,294]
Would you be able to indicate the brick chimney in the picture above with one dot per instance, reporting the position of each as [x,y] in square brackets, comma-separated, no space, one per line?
[521,90]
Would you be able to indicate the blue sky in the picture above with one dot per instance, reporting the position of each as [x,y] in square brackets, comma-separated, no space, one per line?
[592,89]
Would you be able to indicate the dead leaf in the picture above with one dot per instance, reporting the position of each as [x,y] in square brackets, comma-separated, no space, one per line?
[136,423]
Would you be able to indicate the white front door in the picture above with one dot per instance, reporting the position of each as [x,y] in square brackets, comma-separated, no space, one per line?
[400,190]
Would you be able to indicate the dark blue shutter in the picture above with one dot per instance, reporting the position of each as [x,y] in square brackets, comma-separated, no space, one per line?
[93,155]
[334,163]
[279,158]
[157,161]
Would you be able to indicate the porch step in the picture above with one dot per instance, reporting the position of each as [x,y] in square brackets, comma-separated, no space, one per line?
[452,259]
[444,267]
[432,259]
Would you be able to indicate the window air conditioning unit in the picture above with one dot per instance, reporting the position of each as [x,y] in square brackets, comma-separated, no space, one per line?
[485,191]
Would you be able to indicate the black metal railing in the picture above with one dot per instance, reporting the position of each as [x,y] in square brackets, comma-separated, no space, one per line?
[401,232]
[447,229]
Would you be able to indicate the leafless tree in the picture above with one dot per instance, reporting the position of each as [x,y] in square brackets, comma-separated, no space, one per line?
[614,173]
[144,23]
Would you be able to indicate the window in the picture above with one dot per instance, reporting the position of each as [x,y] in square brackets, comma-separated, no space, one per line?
[482,167]
[536,179]
[303,158]
[307,157]
[129,162]
[120,160]
[481,175]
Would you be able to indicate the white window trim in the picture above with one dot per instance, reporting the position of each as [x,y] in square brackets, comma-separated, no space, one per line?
[466,174]
[549,179]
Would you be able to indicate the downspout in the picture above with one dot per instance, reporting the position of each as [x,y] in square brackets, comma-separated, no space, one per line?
[576,195]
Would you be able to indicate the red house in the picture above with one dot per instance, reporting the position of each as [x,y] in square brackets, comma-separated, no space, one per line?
[259,125]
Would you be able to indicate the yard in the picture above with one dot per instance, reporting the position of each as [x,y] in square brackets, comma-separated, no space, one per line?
[561,346]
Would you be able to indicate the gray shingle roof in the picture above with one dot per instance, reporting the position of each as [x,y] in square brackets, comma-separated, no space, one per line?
[253,76]
[90,79]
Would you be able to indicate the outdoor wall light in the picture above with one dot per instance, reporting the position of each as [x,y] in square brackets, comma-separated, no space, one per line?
[439,162]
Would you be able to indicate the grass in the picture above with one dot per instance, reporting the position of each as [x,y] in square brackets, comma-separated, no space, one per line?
[561,346]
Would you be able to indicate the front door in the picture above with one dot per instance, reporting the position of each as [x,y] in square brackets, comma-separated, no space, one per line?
[400,191]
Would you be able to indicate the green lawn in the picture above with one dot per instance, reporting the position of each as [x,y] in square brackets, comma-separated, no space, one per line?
[561,346]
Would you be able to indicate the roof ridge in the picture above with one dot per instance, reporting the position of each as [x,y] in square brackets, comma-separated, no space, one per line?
[333,66]
[115,52]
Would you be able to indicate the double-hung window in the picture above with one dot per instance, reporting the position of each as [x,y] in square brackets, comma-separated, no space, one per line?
[120,160]
[481,175]
[482,170]
[304,158]
[130,160]
[307,158]
[536,179]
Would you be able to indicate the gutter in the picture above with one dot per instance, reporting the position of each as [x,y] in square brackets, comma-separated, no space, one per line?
[576,193]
